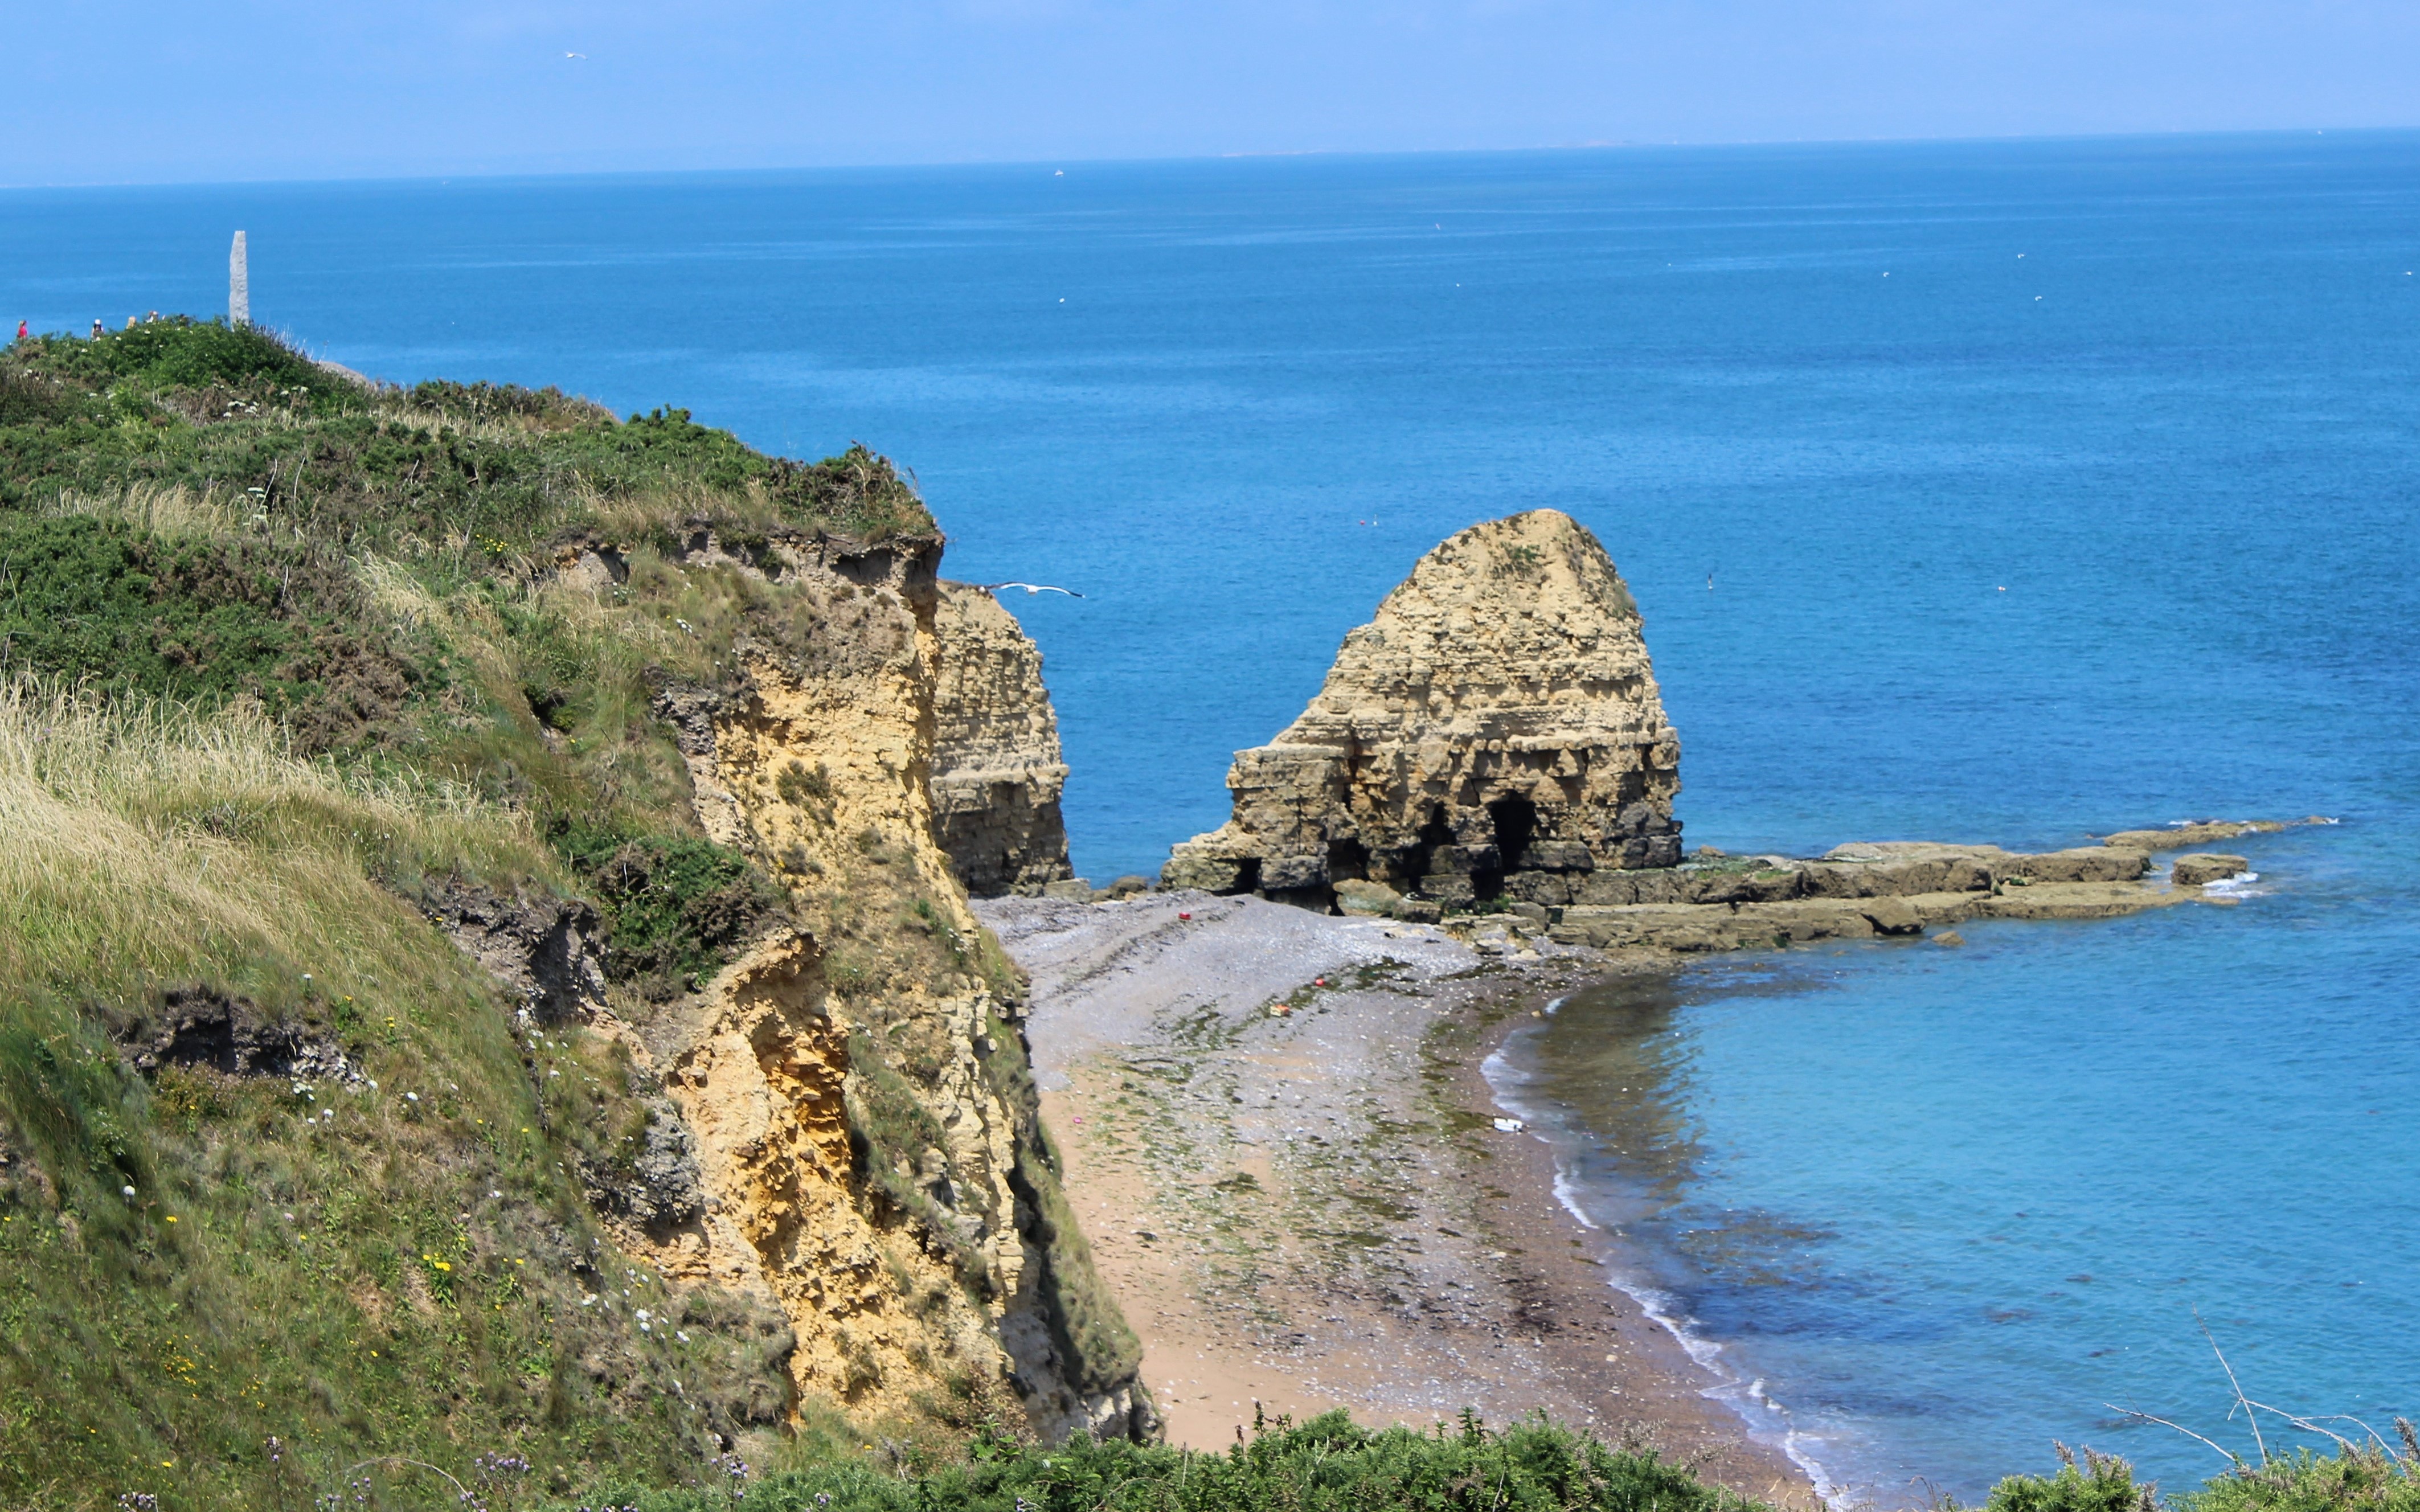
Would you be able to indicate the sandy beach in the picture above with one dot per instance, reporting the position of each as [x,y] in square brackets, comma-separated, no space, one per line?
[1279,1140]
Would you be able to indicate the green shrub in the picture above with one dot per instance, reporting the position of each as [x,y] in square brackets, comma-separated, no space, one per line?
[803,788]
[889,1130]
[2104,1484]
[495,468]
[33,398]
[194,1259]
[1328,1464]
[2357,1477]
[181,352]
[676,907]
[127,612]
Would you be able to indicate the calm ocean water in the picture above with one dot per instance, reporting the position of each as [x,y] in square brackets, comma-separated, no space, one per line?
[2045,488]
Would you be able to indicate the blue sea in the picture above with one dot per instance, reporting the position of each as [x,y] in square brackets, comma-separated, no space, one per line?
[1995,491]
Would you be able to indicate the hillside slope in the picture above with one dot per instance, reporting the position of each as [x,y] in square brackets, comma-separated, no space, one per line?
[477,973]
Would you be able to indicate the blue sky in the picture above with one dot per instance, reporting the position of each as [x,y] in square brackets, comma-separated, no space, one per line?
[104,91]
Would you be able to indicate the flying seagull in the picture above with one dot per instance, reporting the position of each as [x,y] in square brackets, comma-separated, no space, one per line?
[1033,588]
[575,55]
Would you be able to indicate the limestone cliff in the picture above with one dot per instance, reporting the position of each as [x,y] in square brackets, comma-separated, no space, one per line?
[866,1132]
[1495,729]
[997,773]
[549,792]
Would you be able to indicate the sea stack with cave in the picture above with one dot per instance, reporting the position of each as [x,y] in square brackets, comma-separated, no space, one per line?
[1494,730]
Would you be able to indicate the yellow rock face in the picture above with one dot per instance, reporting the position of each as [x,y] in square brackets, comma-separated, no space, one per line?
[855,1087]
[763,1085]
[997,772]
[1496,726]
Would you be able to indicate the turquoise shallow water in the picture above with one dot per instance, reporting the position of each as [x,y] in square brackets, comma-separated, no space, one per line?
[2044,487]
[1948,1206]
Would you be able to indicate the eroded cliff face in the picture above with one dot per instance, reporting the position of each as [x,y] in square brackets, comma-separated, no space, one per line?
[997,772]
[866,1135]
[1495,729]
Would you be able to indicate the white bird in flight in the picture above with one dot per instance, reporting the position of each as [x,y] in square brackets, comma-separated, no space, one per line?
[575,55]
[1033,588]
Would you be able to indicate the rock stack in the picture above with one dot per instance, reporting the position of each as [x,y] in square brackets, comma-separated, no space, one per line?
[997,772]
[1495,732]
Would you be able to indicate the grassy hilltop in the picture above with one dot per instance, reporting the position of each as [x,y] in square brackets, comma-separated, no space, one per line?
[285,670]
[279,668]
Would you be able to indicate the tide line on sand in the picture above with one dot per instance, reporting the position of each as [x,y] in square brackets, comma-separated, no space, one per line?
[1763,1417]
[1314,1210]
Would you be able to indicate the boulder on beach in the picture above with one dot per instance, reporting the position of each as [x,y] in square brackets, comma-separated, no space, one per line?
[1368,900]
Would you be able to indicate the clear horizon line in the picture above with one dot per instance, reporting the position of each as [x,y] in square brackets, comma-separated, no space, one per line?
[1612,144]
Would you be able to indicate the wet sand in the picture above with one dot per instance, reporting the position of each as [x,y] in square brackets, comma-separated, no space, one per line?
[1312,1209]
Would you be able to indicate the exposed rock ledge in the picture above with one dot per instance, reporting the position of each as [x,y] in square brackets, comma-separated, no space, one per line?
[1853,892]
[997,772]
[1495,729]
[1857,891]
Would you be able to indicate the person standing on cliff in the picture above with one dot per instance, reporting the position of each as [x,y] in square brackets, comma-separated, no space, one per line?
[21,331]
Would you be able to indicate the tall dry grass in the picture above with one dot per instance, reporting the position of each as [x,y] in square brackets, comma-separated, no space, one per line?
[152,843]
[169,510]
[260,1241]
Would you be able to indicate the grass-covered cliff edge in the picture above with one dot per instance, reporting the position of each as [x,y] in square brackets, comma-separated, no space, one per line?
[483,1017]
[476,975]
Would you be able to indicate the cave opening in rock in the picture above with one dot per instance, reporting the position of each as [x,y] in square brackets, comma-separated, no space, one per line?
[1515,820]
[1423,850]
[1348,860]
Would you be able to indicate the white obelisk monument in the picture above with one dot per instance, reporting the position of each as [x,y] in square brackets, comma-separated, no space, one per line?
[239,286]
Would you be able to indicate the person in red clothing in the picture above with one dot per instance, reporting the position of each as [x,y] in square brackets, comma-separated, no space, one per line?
[21,331]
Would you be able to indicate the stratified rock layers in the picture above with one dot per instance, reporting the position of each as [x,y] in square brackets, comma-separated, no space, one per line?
[997,772]
[1495,730]
[865,1126]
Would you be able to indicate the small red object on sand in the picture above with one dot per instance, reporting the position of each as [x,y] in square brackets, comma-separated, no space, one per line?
[1185,915]
[1319,981]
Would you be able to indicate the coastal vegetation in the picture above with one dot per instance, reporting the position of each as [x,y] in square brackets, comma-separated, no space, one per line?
[291,1193]
[1328,1464]
[299,1207]
[1331,1464]
[223,1283]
